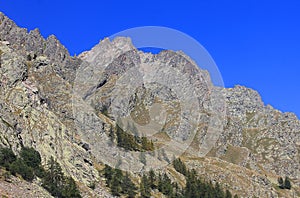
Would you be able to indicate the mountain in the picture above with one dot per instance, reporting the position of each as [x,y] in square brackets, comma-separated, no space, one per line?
[114,102]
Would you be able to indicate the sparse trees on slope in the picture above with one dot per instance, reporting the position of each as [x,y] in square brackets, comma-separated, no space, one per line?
[57,184]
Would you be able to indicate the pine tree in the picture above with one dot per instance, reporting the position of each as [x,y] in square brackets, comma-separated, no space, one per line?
[112,136]
[21,168]
[177,193]
[152,179]
[54,178]
[180,166]
[108,174]
[126,140]
[7,157]
[70,189]
[287,183]
[128,187]
[146,144]
[280,182]
[191,189]
[228,194]
[116,183]
[218,191]
[145,187]
[31,157]
[165,185]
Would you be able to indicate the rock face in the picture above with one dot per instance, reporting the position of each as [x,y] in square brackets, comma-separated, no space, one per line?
[33,44]
[66,107]
[35,103]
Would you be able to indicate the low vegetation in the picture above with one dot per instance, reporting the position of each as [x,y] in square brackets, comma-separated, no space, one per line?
[28,166]
[120,184]
[130,142]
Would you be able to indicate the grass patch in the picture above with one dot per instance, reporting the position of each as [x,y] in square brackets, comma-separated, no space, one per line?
[234,155]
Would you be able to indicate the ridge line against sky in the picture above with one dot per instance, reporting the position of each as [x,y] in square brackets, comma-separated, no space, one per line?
[255,44]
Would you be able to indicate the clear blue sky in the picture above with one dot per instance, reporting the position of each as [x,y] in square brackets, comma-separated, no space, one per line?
[254,43]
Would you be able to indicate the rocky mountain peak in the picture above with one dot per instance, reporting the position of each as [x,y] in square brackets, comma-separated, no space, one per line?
[117,45]
[66,107]
[32,43]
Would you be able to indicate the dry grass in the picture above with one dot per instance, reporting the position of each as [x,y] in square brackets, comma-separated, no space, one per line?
[235,155]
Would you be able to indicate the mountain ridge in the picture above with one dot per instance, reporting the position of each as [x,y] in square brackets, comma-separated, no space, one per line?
[37,92]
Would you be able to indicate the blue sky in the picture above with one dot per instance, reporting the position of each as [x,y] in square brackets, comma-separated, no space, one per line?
[254,43]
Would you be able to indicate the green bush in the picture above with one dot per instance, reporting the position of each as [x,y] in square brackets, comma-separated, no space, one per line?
[284,184]
[70,188]
[7,157]
[31,157]
[21,168]
[287,183]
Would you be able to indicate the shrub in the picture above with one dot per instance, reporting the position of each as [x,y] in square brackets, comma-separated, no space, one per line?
[280,182]
[70,188]
[7,157]
[31,157]
[21,168]
[284,184]
[287,183]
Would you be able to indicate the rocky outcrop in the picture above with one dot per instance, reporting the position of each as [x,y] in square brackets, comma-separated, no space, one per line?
[32,44]
[35,103]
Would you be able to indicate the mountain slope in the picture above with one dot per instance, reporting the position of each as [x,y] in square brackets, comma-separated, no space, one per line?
[66,107]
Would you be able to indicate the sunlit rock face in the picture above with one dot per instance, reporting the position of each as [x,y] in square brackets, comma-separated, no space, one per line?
[66,107]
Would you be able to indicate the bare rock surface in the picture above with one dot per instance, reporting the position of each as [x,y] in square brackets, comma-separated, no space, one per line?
[55,103]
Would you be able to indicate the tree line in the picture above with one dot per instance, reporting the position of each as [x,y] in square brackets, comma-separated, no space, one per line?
[198,187]
[130,142]
[121,184]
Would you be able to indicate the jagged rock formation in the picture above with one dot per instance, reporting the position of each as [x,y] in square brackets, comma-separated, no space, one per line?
[37,80]
[36,99]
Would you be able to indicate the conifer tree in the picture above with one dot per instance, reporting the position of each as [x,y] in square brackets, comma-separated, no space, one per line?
[152,179]
[21,168]
[128,187]
[280,182]
[54,178]
[70,188]
[287,183]
[116,183]
[108,174]
[145,187]
[218,191]
[228,194]
[7,157]
[31,157]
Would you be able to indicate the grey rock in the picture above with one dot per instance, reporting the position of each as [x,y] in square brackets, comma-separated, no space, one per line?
[54,103]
